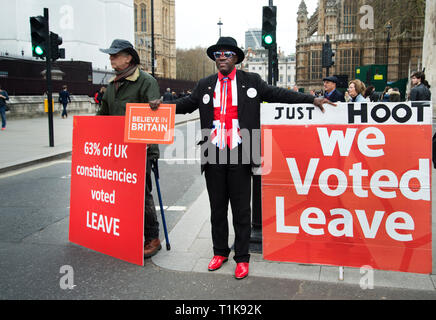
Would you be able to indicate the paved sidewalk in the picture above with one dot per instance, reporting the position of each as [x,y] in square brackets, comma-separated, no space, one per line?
[26,141]
[191,251]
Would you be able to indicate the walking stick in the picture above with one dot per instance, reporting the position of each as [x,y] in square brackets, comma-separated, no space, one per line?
[155,168]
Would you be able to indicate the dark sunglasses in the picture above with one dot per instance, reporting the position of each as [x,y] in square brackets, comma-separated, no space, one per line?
[226,54]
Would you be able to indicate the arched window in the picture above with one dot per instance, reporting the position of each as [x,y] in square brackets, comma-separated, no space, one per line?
[143,18]
[350,16]
[165,22]
[135,18]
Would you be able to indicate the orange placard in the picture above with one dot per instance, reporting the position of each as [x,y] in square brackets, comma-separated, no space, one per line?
[144,125]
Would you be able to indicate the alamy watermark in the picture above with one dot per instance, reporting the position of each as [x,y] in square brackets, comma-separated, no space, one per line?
[367,20]
[367,279]
[67,280]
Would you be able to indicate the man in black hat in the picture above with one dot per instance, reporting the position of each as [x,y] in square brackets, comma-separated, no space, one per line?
[132,85]
[229,105]
[331,93]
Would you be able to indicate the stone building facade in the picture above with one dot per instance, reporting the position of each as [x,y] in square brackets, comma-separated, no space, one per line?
[164,36]
[429,48]
[355,41]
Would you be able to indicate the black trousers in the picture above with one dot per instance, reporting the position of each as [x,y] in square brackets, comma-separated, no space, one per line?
[230,182]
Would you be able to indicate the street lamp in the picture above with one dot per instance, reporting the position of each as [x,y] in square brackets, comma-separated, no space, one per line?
[388,39]
[220,24]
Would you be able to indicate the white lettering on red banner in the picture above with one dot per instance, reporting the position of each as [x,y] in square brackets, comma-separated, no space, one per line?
[105,173]
[348,187]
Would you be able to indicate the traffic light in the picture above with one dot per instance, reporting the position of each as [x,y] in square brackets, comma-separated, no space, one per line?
[55,42]
[327,55]
[39,35]
[269,25]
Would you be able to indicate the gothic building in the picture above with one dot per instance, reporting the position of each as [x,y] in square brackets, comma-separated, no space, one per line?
[357,39]
[164,36]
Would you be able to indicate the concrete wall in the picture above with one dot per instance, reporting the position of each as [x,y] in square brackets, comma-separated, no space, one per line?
[33,106]
[429,45]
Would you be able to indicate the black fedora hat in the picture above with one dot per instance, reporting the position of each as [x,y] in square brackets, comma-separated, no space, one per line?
[119,45]
[226,43]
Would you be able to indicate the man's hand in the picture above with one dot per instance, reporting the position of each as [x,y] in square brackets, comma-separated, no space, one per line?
[154,105]
[320,101]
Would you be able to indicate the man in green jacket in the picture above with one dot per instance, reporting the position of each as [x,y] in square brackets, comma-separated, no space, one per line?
[132,85]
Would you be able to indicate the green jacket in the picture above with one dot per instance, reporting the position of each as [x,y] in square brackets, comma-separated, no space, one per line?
[140,87]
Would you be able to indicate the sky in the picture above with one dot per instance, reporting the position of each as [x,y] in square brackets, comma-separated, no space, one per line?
[196,21]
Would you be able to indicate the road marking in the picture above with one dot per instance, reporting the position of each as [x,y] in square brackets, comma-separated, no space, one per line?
[180,159]
[172,208]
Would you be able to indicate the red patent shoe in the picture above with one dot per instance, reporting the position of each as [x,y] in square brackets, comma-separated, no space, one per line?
[241,270]
[216,262]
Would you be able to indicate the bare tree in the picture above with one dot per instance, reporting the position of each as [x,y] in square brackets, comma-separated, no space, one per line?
[193,64]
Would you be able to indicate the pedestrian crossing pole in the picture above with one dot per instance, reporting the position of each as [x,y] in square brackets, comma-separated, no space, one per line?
[153,67]
[49,82]
[269,42]
[45,45]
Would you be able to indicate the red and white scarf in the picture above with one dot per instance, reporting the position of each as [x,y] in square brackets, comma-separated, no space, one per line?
[225,101]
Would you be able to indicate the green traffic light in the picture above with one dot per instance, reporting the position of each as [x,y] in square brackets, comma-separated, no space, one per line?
[39,51]
[268,39]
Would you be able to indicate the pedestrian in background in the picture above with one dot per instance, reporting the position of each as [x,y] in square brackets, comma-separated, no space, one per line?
[394,95]
[132,85]
[330,91]
[385,95]
[3,98]
[421,88]
[356,89]
[228,168]
[96,96]
[99,96]
[368,93]
[421,92]
[168,96]
[64,99]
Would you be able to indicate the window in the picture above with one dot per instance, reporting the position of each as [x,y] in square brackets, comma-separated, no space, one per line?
[143,18]
[315,68]
[349,59]
[135,18]
[380,55]
[350,17]
[403,68]
[418,28]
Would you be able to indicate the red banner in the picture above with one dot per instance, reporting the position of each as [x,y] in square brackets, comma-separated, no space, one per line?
[107,189]
[351,187]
